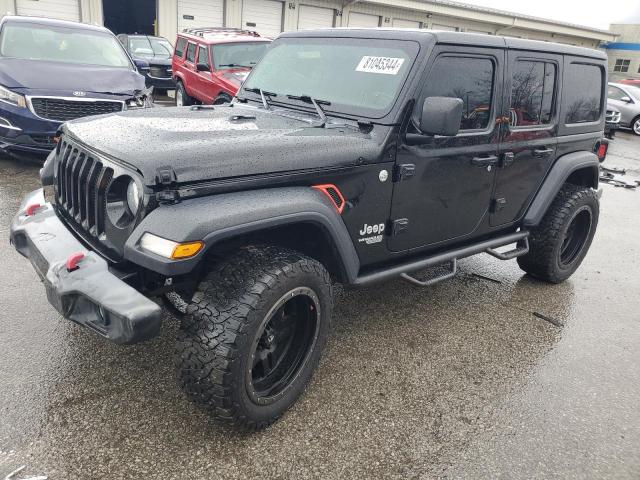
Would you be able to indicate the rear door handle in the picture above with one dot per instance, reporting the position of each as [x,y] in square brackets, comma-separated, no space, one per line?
[542,152]
[484,161]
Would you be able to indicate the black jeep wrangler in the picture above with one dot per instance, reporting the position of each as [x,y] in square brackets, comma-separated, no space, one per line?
[348,156]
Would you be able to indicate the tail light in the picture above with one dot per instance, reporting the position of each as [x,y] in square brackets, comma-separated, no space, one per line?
[601,151]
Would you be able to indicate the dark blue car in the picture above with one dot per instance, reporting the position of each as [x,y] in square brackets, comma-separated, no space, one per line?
[157,52]
[52,71]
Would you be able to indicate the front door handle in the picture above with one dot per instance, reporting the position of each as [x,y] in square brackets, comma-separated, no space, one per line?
[484,161]
[542,152]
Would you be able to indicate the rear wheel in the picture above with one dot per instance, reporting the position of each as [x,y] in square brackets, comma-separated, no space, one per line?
[559,244]
[253,334]
[182,98]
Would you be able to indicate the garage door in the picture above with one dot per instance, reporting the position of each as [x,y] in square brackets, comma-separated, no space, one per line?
[200,13]
[60,9]
[314,17]
[363,20]
[264,16]
[400,23]
[449,28]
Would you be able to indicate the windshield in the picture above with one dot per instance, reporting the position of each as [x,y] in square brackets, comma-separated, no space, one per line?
[149,46]
[360,76]
[235,55]
[31,41]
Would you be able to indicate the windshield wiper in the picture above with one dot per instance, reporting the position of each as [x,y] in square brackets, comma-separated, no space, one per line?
[316,104]
[263,96]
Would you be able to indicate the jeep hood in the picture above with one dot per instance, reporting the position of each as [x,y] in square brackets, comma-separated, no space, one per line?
[225,142]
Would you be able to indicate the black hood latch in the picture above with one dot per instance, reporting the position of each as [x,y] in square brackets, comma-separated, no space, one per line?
[166,177]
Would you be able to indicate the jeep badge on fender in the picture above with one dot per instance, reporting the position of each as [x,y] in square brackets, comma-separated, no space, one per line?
[249,213]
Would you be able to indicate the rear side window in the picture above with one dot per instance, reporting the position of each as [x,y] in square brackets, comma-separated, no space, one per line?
[582,96]
[180,46]
[532,93]
[191,53]
[468,78]
[203,56]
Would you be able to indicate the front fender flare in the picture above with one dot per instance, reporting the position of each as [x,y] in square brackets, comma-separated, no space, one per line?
[557,176]
[219,217]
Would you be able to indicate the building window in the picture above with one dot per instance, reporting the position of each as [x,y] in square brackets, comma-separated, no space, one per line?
[621,65]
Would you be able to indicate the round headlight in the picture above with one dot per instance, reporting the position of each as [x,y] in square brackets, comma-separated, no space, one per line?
[133,197]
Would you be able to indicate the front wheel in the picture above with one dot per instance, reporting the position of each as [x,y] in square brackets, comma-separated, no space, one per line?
[253,334]
[635,125]
[559,244]
[222,99]
[182,97]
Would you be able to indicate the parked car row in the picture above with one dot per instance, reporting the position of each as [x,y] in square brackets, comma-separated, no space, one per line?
[53,71]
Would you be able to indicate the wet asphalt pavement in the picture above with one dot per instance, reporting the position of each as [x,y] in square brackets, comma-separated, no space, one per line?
[496,377]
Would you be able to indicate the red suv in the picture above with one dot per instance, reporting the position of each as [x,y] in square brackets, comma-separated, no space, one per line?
[210,64]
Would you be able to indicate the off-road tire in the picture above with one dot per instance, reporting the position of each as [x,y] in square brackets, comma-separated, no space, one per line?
[546,240]
[223,322]
[187,101]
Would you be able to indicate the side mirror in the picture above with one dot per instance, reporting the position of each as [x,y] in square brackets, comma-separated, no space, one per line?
[141,64]
[202,67]
[441,116]
[626,99]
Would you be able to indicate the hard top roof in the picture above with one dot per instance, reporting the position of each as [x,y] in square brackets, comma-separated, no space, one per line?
[452,38]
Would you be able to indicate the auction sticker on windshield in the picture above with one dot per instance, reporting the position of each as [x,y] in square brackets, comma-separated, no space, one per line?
[386,65]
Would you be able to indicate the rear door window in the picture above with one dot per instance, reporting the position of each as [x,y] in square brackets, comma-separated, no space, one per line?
[582,93]
[468,78]
[532,93]
[180,44]
[191,53]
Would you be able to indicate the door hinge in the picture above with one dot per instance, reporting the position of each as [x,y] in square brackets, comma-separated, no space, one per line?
[498,204]
[399,226]
[403,172]
[165,176]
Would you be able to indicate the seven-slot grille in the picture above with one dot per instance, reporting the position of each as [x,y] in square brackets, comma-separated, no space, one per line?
[61,110]
[81,187]
[160,72]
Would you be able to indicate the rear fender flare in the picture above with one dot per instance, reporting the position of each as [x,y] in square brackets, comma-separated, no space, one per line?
[221,217]
[584,163]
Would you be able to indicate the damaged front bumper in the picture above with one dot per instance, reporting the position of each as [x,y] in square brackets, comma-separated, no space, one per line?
[90,293]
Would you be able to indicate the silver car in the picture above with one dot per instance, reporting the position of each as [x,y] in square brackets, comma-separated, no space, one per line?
[626,98]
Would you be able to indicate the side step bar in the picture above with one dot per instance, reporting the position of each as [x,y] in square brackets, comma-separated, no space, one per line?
[488,246]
